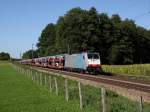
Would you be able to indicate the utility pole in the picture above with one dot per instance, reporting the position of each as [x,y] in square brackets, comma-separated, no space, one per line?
[38,55]
[32,50]
[20,55]
[68,49]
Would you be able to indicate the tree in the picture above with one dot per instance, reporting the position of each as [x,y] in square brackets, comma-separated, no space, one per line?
[69,34]
[78,30]
[4,56]
[28,54]
[124,43]
[142,46]
[105,38]
[115,18]
[46,40]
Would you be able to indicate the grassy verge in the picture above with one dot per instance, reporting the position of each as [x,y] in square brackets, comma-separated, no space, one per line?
[19,94]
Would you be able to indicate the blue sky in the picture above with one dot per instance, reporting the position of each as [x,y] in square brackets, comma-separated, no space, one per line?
[21,21]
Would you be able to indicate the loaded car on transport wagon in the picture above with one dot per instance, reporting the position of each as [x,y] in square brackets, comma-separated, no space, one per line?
[59,61]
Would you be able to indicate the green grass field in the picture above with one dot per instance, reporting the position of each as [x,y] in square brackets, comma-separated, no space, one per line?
[20,94]
[138,70]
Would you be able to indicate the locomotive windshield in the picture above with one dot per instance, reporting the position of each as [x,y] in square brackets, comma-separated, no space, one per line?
[93,56]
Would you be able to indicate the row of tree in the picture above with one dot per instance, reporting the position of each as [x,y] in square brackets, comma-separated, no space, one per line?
[4,56]
[118,41]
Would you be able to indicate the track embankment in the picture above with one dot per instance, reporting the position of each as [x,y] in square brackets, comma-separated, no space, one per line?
[128,88]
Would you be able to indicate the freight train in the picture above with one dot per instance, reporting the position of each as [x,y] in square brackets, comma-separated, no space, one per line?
[80,62]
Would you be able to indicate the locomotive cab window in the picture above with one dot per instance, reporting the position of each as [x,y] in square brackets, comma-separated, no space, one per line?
[93,56]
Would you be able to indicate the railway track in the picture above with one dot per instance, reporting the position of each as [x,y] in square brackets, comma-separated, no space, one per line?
[144,87]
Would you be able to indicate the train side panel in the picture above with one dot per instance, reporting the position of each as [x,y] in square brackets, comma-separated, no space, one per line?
[75,61]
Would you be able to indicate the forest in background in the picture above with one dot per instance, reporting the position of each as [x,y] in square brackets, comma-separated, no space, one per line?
[118,41]
[4,56]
